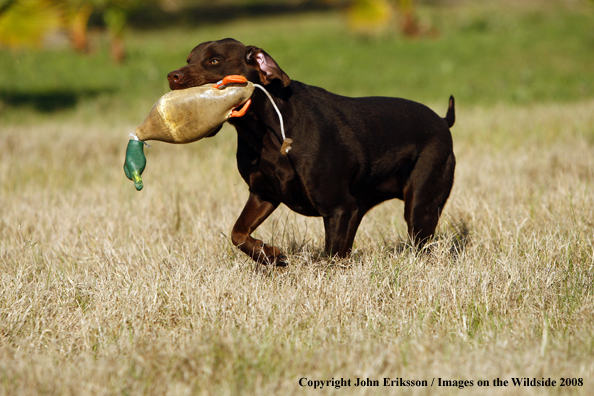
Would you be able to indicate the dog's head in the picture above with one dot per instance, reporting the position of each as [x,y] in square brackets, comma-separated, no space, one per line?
[211,61]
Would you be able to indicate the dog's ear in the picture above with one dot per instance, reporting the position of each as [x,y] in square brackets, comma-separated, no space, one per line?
[266,66]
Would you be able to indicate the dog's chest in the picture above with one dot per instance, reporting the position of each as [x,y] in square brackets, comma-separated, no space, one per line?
[275,176]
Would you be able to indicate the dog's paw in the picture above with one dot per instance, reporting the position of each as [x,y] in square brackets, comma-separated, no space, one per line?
[271,255]
[280,261]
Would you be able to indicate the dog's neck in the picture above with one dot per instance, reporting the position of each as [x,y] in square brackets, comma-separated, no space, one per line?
[262,119]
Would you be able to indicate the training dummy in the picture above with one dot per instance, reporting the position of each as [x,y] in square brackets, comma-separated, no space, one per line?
[185,116]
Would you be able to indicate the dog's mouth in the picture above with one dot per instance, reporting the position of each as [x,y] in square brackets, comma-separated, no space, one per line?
[179,80]
[176,85]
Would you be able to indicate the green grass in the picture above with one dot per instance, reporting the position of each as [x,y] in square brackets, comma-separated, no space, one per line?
[480,55]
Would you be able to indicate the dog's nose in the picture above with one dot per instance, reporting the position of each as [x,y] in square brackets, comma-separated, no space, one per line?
[175,76]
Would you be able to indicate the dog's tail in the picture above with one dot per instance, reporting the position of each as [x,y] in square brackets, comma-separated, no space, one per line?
[450,117]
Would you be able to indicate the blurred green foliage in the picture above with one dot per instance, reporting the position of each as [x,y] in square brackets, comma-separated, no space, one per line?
[26,22]
[29,23]
[481,55]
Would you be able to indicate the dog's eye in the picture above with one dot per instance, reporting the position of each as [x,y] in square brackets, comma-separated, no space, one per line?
[214,61]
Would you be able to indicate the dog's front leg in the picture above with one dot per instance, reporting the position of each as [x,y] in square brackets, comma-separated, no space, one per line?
[341,226]
[256,210]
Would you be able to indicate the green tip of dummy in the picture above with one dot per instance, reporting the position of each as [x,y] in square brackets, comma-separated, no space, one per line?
[137,182]
[135,162]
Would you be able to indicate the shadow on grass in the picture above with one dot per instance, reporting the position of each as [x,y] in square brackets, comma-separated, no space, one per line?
[306,252]
[47,102]
[457,239]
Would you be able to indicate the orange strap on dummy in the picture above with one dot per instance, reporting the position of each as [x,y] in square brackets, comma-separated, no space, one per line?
[244,109]
[233,79]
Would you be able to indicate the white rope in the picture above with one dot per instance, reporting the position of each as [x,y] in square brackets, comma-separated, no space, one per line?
[280,116]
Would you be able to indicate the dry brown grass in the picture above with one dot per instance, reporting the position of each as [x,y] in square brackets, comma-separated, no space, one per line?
[104,290]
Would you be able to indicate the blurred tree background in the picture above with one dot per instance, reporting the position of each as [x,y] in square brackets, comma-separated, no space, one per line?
[110,58]
[29,23]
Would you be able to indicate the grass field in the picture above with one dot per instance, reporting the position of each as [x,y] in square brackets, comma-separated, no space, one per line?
[104,290]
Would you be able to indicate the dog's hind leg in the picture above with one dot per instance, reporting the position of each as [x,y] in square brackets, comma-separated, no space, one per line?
[425,195]
[256,210]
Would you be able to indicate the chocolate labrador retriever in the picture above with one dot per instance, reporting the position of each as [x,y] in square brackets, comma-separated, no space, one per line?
[348,154]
